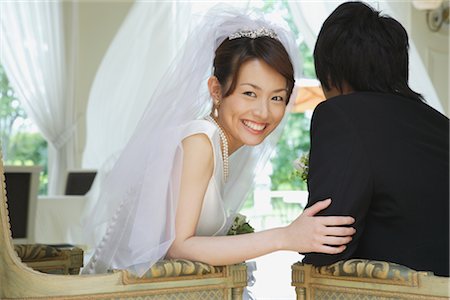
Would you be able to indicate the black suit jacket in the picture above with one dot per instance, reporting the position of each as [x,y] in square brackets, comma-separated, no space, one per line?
[384,160]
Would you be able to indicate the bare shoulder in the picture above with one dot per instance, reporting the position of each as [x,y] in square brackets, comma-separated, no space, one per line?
[199,143]
[198,152]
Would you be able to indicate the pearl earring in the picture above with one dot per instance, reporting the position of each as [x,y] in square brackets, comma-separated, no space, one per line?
[216,111]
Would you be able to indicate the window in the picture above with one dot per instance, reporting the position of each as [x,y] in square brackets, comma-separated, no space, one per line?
[21,142]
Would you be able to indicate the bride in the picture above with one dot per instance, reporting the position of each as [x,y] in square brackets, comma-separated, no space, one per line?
[183,176]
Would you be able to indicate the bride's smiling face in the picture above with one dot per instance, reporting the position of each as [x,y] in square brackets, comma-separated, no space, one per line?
[255,107]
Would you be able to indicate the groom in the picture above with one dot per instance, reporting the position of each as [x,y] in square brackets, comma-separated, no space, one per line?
[377,149]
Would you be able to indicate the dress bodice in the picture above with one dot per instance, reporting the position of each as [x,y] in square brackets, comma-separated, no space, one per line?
[128,244]
[213,216]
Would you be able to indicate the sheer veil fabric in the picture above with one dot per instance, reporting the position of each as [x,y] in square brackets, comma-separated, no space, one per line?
[135,211]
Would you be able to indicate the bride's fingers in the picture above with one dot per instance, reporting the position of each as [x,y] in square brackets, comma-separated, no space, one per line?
[339,231]
[318,206]
[331,250]
[336,221]
[336,240]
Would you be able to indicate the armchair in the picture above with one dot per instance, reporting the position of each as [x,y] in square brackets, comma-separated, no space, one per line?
[176,279]
[51,259]
[366,279]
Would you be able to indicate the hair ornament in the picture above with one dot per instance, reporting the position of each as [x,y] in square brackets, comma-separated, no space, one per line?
[253,34]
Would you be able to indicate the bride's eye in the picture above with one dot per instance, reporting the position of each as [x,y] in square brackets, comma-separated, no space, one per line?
[277,98]
[250,94]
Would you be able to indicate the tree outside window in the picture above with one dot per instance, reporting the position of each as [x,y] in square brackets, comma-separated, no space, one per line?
[21,143]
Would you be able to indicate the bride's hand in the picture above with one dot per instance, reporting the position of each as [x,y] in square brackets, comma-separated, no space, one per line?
[308,233]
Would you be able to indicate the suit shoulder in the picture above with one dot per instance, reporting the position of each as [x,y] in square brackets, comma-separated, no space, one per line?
[352,99]
[338,104]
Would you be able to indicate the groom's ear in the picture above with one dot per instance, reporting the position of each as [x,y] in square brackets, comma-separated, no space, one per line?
[343,89]
[215,89]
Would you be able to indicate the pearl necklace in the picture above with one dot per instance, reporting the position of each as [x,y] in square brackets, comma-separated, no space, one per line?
[224,141]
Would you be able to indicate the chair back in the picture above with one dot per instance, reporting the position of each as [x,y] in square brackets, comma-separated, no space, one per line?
[79,182]
[367,279]
[22,185]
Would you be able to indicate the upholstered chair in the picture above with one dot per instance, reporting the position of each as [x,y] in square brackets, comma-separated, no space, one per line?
[22,274]
[356,279]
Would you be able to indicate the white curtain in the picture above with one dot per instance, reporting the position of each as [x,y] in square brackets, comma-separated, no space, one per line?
[33,53]
[140,53]
[309,16]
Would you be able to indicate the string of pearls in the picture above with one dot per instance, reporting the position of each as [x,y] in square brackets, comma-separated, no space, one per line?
[224,141]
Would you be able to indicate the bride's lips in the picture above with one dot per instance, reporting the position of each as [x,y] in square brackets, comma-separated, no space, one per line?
[254,127]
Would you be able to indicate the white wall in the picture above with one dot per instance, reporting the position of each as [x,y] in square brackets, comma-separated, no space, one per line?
[433,48]
[97,25]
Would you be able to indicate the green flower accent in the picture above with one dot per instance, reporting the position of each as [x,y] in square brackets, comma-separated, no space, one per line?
[301,166]
[240,226]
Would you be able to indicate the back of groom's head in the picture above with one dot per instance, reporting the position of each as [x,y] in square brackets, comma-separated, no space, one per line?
[359,47]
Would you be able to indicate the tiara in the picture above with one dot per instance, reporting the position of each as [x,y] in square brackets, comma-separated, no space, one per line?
[253,34]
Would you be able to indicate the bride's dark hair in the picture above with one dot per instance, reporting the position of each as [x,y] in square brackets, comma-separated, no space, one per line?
[231,54]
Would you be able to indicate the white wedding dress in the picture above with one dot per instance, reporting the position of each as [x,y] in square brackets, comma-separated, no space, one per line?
[213,217]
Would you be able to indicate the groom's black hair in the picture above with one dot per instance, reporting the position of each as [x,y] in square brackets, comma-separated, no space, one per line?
[368,51]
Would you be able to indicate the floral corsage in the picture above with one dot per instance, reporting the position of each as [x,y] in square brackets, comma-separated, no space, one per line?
[301,166]
[240,226]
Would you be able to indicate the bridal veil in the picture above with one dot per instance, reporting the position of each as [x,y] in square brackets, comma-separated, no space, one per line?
[135,211]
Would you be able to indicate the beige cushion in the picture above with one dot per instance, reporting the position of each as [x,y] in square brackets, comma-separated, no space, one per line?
[174,268]
[35,252]
[363,268]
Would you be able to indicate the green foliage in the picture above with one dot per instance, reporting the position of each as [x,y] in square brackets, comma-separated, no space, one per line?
[282,7]
[293,142]
[240,226]
[309,70]
[29,148]
[10,111]
[19,147]
[302,167]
